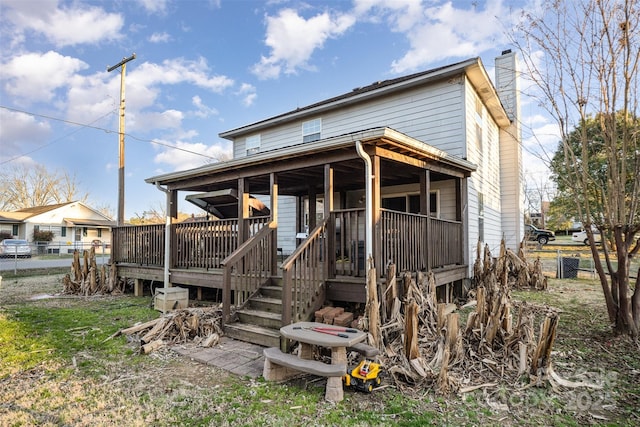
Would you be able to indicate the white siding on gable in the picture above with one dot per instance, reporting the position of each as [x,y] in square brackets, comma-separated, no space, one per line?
[433,114]
[486,179]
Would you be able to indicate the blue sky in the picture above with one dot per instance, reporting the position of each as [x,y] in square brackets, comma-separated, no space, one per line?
[207,66]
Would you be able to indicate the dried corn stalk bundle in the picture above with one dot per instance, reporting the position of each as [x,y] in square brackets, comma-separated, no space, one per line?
[88,279]
[194,324]
[426,346]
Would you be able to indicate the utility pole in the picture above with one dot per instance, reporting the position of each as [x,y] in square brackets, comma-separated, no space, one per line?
[123,67]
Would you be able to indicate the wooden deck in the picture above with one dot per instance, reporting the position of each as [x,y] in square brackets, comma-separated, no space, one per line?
[329,265]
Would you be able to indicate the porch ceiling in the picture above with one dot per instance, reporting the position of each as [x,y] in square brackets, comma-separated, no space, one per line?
[224,203]
[301,168]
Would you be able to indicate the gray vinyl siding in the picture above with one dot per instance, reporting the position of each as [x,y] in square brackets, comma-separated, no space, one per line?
[447,198]
[286,221]
[431,114]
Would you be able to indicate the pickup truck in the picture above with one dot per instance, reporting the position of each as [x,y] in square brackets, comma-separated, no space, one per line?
[539,235]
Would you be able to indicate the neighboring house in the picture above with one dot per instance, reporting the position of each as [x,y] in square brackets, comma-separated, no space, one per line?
[414,170]
[74,225]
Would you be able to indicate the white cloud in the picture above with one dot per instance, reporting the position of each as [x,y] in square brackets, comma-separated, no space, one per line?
[63,25]
[154,6]
[20,132]
[35,77]
[202,110]
[293,39]
[248,94]
[449,32]
[438,29]
[401,14]
[537,119]
[144,121]
[179,70]
[184,157]
[159,38]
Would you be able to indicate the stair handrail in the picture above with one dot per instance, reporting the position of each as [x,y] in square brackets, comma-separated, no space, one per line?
[236,259]
[292,296]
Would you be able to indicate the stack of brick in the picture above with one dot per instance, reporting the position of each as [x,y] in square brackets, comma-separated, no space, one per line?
[320,314]
[343,319]
[334,316]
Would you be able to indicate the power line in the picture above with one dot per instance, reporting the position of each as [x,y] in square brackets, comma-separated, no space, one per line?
[55,140]
[90,126]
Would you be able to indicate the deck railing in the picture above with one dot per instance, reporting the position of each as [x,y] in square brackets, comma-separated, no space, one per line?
[409,240]
[404,240]
[445,240]
[199,244]
[203,244]
[247,268]
[304,274]
[413,242]
[141,244]
[348,227]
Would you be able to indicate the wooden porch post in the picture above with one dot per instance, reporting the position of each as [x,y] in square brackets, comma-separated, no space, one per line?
[312,208]
[243,210]
[376,204]
[273,181]
[170,247]
[425,209]
[299,215]
[462,216]
[331,232]
[328,190]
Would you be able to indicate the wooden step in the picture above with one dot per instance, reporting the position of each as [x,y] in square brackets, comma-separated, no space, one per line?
[265,319]
[254,334]
[271,291]
[263,303]
[276,281]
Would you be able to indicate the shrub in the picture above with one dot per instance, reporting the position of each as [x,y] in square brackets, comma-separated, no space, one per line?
[42,236]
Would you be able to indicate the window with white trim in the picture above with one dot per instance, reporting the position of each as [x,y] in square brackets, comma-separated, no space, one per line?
[479,109]
[252,144]
[311,130]
[410,203]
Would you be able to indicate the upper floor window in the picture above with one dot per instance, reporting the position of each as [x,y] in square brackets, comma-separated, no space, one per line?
[479,137]
[252,144]
[311,130]
[479,111]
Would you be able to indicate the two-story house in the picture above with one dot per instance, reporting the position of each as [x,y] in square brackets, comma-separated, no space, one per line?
[413,171]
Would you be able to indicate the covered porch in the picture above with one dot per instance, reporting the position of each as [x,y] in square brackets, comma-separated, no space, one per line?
[351,175]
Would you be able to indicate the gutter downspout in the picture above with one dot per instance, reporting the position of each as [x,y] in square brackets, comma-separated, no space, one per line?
[368,197]
[167,241]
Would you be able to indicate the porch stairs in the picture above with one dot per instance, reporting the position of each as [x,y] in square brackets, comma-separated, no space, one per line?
[260,320]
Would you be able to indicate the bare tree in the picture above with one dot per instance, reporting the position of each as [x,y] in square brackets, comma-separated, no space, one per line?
[583,56]
[29,186]
[536,192]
